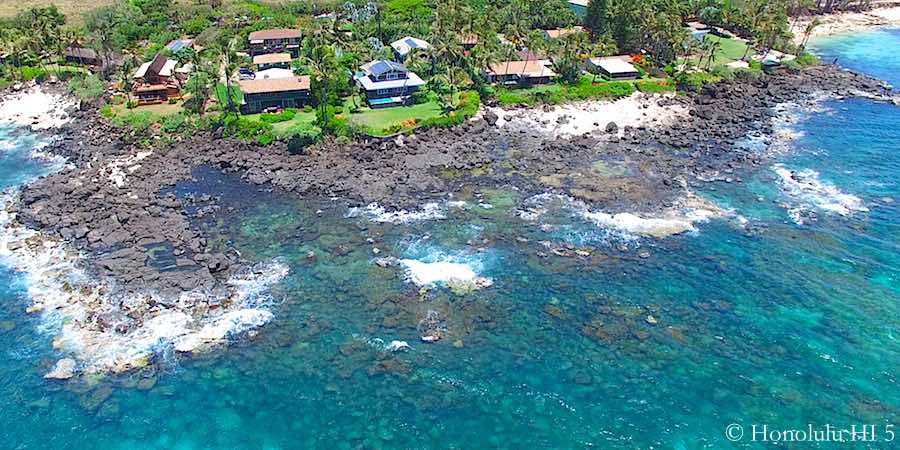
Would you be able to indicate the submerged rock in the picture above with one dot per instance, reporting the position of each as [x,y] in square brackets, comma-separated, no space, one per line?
[63,370]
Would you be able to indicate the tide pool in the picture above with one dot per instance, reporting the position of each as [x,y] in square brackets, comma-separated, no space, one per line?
[634,342]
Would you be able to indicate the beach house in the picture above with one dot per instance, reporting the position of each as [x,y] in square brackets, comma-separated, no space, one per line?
[82,55]
[274,93]
[155,81]
[387,83]
[613,68]
[520,73]
[275,40]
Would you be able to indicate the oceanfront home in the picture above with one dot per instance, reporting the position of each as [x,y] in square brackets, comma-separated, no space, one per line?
[387,83]
[403,47]
[272,61]
[274,93]
[275,40]
[83,56]
[155,81]
[579,7]
[521,73]
[613,68]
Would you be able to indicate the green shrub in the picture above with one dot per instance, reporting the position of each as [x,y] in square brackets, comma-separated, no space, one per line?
[87,88]
[338,109]
[654,87]
[807,59]
[139,121]
[283,116]
[107,111]
[172,100]
[131,104]
[693,81]
[32,73]
[265,138]
[117,99]
[247,130]
[307,108]
[174,123]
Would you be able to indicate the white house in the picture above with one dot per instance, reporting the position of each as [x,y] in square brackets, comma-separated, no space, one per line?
[402,47]
[614,68]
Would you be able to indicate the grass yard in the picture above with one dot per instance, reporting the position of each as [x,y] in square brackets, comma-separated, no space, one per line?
[302,123]
[731,50]
[380,121]
[159,109]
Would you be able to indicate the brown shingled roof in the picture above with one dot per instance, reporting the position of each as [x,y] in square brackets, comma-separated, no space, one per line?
[533,68]
[274,85]
[274,33]
[272,58]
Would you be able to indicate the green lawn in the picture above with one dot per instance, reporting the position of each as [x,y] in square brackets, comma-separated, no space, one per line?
[302,123]
[730,51]
[378,120]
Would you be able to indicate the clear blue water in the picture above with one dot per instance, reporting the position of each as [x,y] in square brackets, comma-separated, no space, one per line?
[771,323]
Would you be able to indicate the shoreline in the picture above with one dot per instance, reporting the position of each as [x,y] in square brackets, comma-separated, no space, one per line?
[848,22]
[108,204]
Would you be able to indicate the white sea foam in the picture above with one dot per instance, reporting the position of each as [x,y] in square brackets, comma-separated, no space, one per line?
[811,193]
[70,302]
[439,272]
[377,213]
[36,109]
[456,271]
[678,219]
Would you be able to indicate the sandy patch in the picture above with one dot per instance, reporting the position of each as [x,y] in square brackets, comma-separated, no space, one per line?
[592,116]
[848,21]
[35,108]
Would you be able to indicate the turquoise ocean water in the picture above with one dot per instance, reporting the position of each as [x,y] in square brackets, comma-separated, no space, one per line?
[788,318]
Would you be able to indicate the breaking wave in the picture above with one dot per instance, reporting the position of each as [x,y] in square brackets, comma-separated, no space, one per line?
[103,329]
[811,193]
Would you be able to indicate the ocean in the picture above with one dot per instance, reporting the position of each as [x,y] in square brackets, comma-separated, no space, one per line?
[782,315]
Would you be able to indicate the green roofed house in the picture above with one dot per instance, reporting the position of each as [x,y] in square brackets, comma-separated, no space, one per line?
[259,95]
[579,7]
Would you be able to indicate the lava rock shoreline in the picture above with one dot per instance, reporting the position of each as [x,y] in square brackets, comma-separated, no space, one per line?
[108,203]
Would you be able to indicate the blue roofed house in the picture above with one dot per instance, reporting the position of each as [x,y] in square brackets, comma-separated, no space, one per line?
[179,44]
[387,83]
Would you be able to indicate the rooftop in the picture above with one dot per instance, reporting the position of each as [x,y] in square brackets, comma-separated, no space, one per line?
[533,68]
[613,65]
[560,32]
[381,66]
[81,52]
[274,33]
[408,44]
[274,85]
[272,58]
[412,80]
[179,44]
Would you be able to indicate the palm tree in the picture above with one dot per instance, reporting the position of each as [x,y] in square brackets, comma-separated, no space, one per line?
[807,32]
[712,50]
